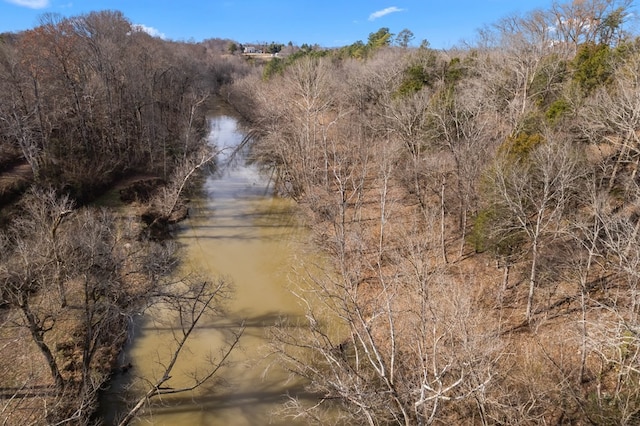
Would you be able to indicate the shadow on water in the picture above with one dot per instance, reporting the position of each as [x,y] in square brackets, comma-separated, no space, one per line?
[233,321]
[213,401]
[249,226]
[220,401]
[244,392]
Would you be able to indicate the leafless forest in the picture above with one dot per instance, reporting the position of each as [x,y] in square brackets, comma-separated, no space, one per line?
[88,104]
[480,208]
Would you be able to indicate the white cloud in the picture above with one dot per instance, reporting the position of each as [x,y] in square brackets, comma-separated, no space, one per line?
[149,30]
[383,12]
[33,4]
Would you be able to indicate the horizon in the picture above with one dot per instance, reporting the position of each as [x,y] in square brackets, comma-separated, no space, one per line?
[328,24]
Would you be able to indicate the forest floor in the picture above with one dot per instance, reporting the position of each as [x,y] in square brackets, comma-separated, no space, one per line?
[14,178]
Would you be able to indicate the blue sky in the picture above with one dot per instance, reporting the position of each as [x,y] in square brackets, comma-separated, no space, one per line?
[329,23]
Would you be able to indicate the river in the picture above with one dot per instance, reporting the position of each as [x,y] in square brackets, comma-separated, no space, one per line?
[240,231]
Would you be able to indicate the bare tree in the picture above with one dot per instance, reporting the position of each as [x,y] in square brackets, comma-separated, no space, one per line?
[410,353]
[523,45]
[463,126]
[383,341]
[585,260]
[531,196]
[303,121]
[36,261]
[408,122]
[612,117]
[166,206]
[193,302]
[73,279]
[589,21]
[69,273]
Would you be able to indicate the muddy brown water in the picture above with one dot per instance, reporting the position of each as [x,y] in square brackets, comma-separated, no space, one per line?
[240,231]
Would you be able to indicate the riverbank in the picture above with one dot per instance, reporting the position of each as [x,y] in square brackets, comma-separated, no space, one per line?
[73,278]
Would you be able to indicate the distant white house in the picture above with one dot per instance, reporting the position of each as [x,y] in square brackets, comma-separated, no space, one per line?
[251,49]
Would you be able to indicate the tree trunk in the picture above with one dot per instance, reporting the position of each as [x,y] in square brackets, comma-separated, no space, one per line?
[442,224]
[532,277]
[37,334]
